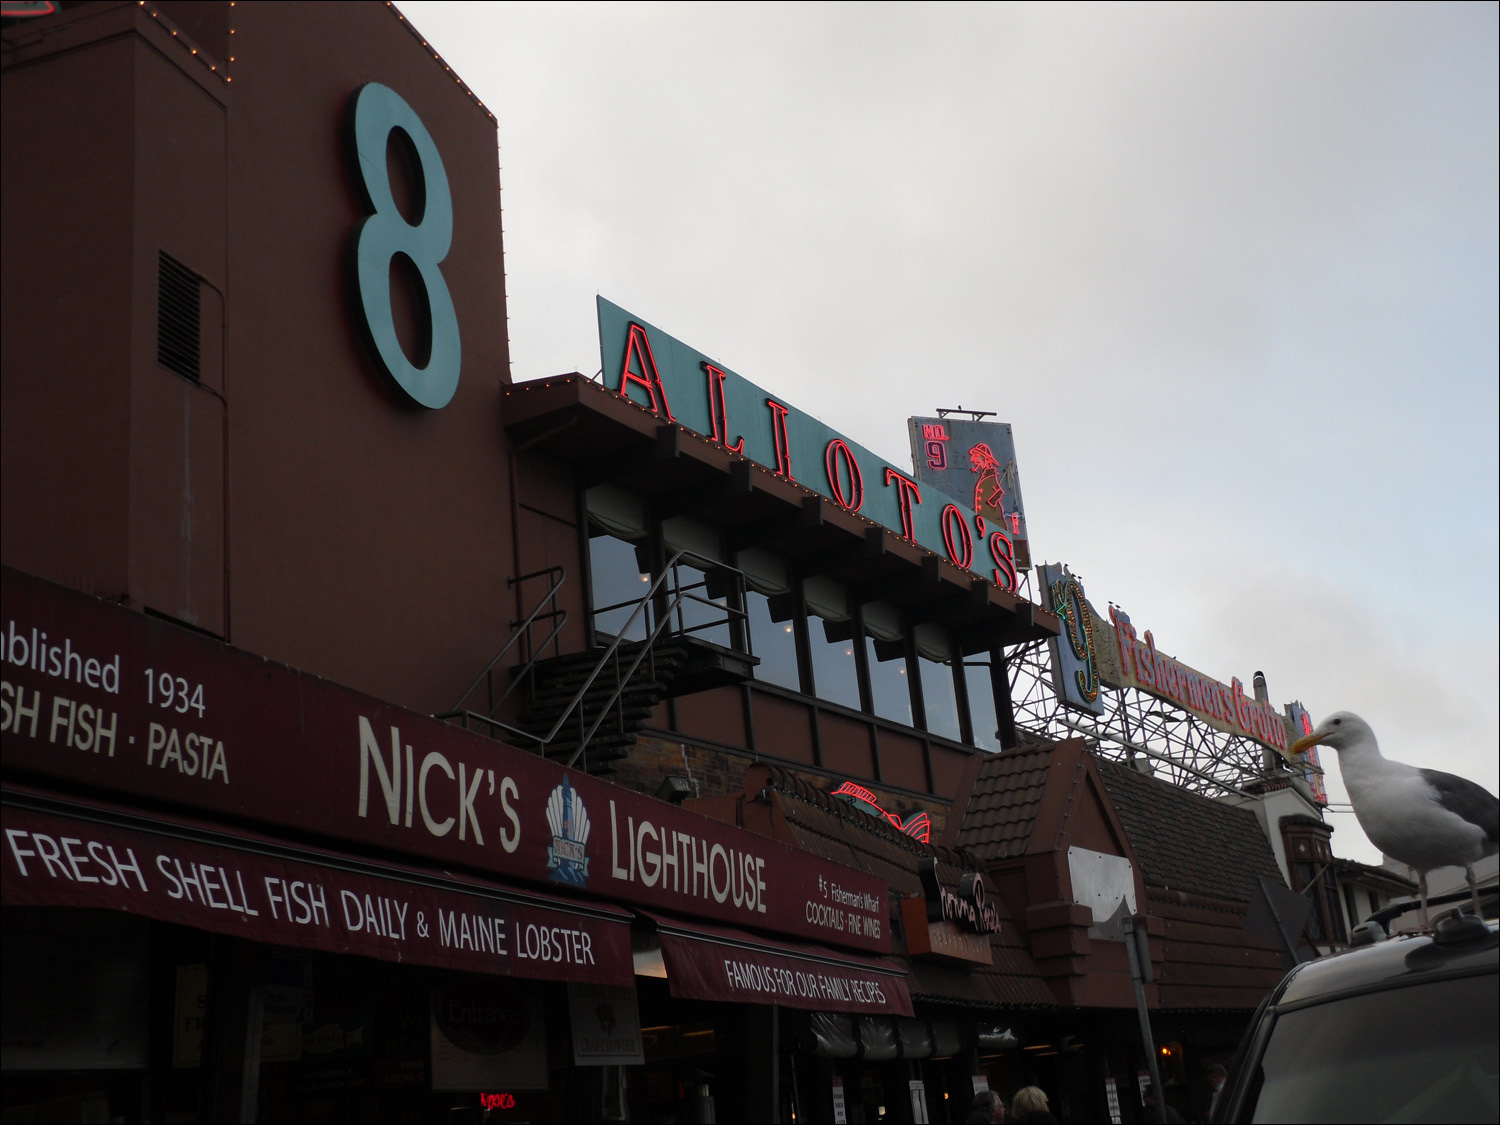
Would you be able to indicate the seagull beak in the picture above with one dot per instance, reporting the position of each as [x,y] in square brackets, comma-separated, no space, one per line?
[1306,743]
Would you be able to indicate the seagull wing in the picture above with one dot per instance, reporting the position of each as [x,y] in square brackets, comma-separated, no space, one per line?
[1469,800]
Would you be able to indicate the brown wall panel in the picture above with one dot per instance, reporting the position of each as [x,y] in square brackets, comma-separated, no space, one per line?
[1088,827]
[68,144]
[370,539]
[546,484]
[901,761]
[846,746]
[714,716]
[947,770]
[783,728]
[542,542]
[177,500]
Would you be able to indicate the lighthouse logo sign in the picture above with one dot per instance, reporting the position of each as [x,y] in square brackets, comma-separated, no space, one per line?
[567,858]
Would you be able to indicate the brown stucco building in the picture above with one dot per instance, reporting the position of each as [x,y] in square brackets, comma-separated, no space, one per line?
[343,775]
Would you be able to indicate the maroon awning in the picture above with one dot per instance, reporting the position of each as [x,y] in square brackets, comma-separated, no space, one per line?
[58,854]
[705,962]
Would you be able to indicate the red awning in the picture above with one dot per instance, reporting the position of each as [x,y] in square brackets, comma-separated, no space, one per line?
[69,854]
[706,962]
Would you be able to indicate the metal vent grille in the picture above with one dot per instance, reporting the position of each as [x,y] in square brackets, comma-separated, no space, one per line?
[177,317]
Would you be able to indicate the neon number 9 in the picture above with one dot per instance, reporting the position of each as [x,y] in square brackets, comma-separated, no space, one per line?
[378,110]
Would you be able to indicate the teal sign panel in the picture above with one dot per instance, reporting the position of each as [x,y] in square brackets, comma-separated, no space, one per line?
[682,384]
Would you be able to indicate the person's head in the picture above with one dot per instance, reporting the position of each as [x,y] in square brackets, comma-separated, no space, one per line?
[1148,1095]
[987,1101]
[1029,1099]
[982,459]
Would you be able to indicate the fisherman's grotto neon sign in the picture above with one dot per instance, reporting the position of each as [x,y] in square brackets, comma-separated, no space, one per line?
[655,371]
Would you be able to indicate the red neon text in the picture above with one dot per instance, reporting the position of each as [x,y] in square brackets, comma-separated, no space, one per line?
[778,429]
[718,413]
[907,492]
[497,1101]
[840,462]
[638,347]
[956,532]
[1004,555]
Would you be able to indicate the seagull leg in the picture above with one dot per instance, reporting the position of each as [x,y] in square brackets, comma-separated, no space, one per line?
[1473,890]
[1422,890]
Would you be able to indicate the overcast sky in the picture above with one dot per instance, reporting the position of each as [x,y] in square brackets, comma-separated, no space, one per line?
[1229,270]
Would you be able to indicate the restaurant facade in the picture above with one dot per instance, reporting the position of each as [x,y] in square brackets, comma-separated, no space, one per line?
[385,739]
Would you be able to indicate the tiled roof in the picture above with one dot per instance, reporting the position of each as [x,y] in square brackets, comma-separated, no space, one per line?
[1004,802]
[832,829]
[1210,961]
[1200,860]
[1187,842]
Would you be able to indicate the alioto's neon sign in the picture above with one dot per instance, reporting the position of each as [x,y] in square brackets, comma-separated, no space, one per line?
[680,384]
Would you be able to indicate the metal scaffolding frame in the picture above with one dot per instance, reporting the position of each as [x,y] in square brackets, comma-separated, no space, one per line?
[1151,734]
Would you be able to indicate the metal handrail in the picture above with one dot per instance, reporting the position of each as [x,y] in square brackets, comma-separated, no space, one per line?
[523,628]
[610,654]
[646,646]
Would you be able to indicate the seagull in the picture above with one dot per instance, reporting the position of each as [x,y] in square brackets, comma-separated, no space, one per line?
[1424,818]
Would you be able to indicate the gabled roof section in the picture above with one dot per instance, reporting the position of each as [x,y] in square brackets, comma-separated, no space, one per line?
[1187,842]
[1003,804]
[1040,799]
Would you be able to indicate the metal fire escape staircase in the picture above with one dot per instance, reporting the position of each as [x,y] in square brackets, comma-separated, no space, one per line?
[584,709]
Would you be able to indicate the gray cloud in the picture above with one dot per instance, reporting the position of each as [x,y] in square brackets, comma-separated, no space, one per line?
[1229,269]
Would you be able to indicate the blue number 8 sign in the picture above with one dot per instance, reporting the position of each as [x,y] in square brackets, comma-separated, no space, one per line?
[385,233]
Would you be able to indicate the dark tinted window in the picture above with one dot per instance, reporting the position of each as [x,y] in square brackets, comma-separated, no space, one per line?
[982,705]
[701,607]
[1427,1052]
[938,699]
[835,675]
[774,642]
[619,582]
[890,692]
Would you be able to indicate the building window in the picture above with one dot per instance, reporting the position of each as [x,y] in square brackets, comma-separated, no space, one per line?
[773,642]
[885,663]
[835,673]
[807,635]
[618,579]
[939,699]
[979,685]
[1309,863]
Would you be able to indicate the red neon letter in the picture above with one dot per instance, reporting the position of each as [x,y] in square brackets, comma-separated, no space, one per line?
[637,346]
[1005,561]
[778,428]
[954,519]
[718,413]
[839,455]
[906,490]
